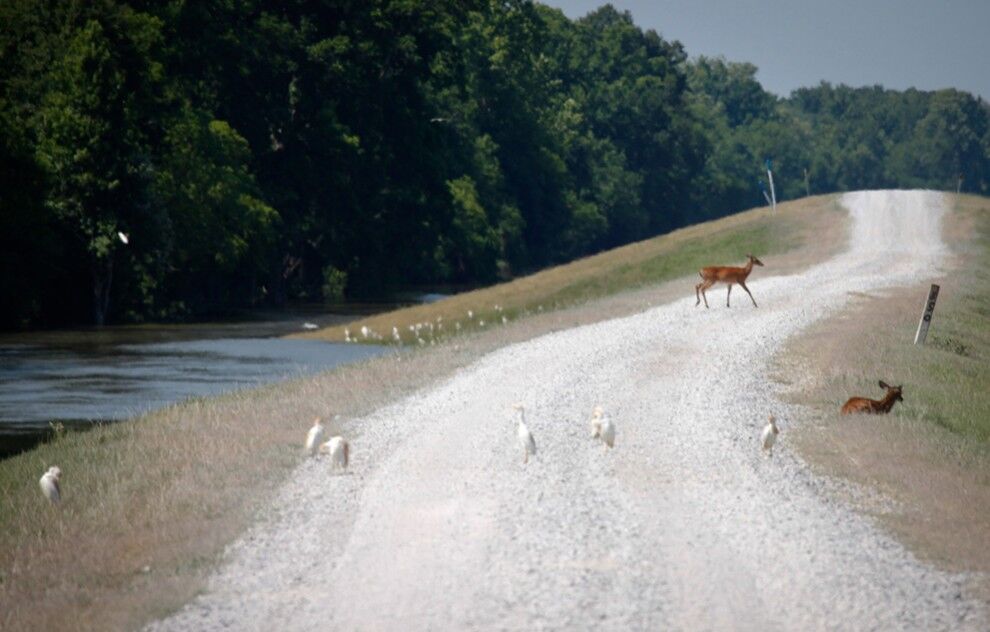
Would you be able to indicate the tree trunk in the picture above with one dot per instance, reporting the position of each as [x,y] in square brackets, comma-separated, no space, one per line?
[102,278]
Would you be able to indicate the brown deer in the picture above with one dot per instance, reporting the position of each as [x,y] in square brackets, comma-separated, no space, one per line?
[873,406]
[720,274]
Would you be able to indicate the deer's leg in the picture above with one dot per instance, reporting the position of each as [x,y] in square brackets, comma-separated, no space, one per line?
[705,286]
[727,294]
[697,293]
[750,293]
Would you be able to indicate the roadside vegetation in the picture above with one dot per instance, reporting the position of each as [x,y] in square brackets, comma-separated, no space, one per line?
[150,503]
[930,457]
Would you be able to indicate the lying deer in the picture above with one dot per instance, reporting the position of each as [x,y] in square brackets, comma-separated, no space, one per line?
[872,406]
[719,274]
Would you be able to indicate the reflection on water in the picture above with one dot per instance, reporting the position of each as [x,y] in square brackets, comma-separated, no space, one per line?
[78,378]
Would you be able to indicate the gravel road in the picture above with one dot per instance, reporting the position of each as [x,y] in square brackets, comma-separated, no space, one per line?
[683,526]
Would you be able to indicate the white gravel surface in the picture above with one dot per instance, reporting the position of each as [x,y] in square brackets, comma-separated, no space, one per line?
[683,526]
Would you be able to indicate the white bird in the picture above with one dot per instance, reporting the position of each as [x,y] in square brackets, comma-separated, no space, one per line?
[49,484]
[314,436]
[769,436]
[607,431]
[525,437]
[123,237]
[310,326]
[596,422]
[339,451]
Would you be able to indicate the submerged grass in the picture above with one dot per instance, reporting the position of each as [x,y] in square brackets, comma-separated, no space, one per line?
[150,503]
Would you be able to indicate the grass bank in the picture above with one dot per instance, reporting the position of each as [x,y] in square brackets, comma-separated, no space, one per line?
[811,223]
[149,504]
[930,458]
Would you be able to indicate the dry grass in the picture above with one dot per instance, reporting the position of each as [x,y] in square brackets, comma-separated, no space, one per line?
[815,223]
[166,492]
[931,455]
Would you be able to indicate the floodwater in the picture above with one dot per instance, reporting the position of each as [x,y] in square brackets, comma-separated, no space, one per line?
[78,378]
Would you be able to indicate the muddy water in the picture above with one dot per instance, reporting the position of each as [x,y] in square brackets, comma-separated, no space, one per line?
[79,378]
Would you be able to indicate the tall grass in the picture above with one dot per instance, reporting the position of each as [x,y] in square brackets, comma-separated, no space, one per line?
[150,503]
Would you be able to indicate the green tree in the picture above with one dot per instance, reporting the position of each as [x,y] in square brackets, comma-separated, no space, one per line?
[93,150]
[29,245]
[222,232]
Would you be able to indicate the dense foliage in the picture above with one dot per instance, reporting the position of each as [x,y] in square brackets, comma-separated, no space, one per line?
[259,151]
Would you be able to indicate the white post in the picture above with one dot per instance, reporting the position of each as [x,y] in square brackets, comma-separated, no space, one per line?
[773,193]
[926,316]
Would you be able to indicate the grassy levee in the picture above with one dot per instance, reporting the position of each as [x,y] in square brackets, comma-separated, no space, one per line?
[149,504]
[930,457]
[679,253]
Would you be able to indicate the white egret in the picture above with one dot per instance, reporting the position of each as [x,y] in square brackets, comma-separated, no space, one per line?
[525,437]
[310,326]
[608,431]
[314,436]
[123,237]
[50,486]
[596,422]
[769,436]
[339,451]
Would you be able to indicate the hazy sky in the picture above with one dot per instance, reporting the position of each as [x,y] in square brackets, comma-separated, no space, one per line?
[926,44]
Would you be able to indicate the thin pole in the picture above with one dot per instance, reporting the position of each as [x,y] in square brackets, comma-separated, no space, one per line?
[773,193]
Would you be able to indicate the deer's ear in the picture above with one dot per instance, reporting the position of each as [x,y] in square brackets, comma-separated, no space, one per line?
[883,384]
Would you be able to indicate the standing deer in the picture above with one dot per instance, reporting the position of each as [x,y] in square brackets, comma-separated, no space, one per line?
[873,406]
[721,274]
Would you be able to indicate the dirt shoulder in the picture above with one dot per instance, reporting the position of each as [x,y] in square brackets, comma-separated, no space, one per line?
[923,470]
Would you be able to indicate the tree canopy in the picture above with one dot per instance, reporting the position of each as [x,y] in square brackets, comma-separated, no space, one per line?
[254,152]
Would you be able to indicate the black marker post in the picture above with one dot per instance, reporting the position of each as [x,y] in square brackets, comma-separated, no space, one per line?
[926,316]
